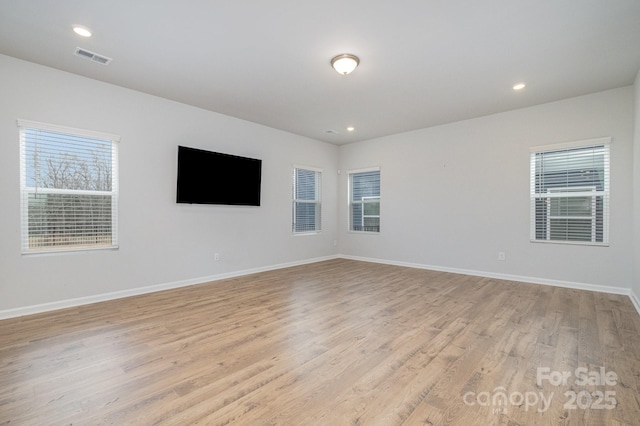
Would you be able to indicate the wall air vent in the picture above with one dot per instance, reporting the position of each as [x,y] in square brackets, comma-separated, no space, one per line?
[83,53]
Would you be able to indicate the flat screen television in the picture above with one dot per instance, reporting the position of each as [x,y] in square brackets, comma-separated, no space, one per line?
[206,177]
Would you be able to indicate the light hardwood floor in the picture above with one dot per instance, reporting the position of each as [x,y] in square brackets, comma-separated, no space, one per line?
[339,342]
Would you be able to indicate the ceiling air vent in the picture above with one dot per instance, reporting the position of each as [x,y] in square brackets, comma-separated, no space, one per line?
[92,56]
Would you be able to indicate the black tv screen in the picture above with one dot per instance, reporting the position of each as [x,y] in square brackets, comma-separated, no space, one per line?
[206,177]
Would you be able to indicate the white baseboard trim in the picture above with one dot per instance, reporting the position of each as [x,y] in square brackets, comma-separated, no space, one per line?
[635,300]
[518,278]
[69,303]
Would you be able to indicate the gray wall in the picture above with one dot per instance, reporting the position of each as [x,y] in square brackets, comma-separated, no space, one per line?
[635,287]
[453,196]
[161,242]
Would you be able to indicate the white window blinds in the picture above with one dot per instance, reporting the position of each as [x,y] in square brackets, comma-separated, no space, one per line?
[364,200]
[69,188]
[570,192]
[306,200]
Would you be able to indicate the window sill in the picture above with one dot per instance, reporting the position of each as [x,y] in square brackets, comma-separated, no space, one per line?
[77,250]
[306,234]
[570,243]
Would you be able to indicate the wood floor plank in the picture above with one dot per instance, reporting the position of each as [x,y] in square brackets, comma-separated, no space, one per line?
[339,342]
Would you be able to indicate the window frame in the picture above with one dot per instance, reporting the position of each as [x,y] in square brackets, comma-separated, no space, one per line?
[26,191]
[317,201]
[363,201]
[583,190]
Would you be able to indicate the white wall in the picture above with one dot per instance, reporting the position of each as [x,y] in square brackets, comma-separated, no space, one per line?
[635,287]
[160,241]
[453,196]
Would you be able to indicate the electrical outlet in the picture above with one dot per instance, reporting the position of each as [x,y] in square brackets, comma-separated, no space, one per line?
[502,256]
[216,256]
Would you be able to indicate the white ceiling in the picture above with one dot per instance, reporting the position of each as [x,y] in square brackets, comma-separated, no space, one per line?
[422,62]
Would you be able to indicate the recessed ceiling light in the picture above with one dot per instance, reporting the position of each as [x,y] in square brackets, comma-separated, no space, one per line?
[350,129]
[519,86]
[82,31]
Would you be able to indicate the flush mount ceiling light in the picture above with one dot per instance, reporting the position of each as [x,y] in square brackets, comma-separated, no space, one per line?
[345,63]
[519,86]
[82,31]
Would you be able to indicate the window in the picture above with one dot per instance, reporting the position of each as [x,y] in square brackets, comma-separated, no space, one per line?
[69,188]
[570,192]
[306,200]
[364,200]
